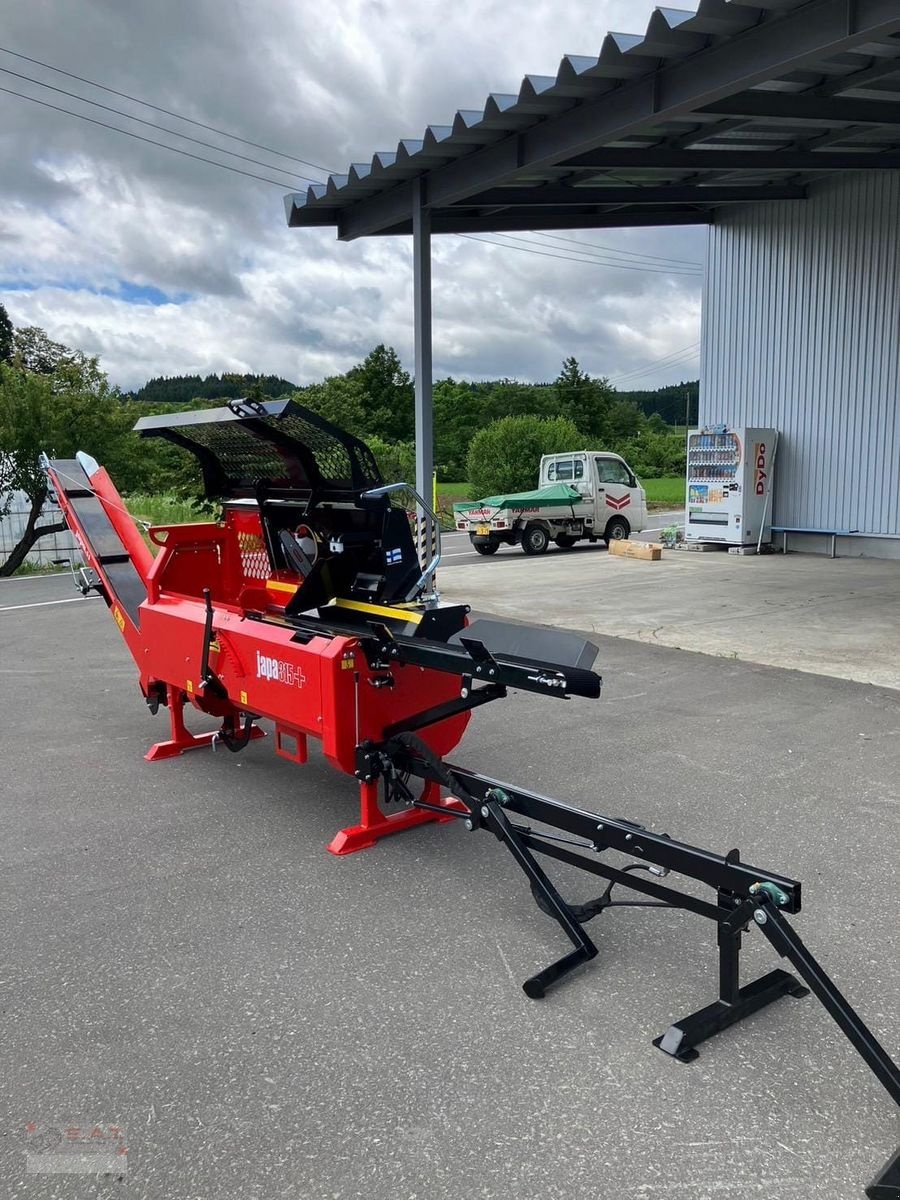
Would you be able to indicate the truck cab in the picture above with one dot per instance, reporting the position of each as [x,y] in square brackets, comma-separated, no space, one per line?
[581,494]
[608,484]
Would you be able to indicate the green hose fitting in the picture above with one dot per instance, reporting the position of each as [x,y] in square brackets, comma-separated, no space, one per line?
[497,795]
[772,890]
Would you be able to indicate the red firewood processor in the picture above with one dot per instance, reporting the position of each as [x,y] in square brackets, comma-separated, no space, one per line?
[311,603]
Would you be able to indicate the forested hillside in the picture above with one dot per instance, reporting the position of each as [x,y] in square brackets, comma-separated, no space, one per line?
[375,400]
[182,389]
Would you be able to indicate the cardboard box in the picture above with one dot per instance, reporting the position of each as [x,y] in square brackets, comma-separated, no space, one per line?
[649,551]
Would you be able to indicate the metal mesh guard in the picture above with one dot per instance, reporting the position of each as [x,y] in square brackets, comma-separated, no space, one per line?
[280,443]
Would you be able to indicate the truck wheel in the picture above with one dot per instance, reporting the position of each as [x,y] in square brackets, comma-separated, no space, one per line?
[565,541]
[617,530]
[486,547]
[535,539]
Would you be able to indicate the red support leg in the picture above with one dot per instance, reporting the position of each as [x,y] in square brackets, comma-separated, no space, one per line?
[374,824]
[182,739]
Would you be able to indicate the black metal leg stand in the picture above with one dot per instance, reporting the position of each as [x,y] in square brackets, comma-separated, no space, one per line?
[735,1003]
[886,1184]
[786,941]
[536,987]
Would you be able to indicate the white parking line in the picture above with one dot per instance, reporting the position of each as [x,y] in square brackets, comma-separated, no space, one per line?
[34,578]
[44,603]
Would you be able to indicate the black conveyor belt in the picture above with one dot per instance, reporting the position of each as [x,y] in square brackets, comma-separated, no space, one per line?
[118,571]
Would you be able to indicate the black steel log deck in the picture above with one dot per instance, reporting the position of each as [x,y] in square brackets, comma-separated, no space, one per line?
[746,897]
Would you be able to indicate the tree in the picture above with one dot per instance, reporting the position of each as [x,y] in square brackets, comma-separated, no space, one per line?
[510,398]
[58,412]
[397,462]
[34,351]
[584,400]
[6,336]
[624,420]
[458,413]
[505,456]
[387,395]
[339,399]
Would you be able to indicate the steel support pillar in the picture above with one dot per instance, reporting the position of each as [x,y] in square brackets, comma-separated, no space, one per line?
[421,224]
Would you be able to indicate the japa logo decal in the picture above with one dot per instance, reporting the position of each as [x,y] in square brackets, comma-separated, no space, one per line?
[277,669]
[618,502]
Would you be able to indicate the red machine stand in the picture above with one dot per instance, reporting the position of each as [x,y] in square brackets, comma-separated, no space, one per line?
[182,739]
[375,824]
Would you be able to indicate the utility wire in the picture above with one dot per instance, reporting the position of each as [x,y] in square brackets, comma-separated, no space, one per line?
[528,248]
[150,141]
[671,354]
[638,265]
[168,112]
[160,128]
[634,382]
[593,246]
[674,360]
[685,354]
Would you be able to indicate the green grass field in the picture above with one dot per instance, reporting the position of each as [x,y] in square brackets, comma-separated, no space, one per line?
[164,510]
[667,492]
[454,491]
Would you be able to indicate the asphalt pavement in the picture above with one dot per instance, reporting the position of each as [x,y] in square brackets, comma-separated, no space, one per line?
[184,962]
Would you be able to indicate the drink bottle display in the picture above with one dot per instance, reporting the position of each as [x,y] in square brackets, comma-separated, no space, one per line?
[729,484]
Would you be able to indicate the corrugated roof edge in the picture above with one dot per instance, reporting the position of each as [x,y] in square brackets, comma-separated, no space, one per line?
[670,34]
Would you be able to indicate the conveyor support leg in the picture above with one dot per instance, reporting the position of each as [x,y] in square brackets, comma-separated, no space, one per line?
[181,737]
[375,824]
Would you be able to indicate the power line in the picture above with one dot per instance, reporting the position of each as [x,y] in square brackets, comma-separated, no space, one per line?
[674,359]
[167,111]
[681,262]
[528,248]
[638,266]
[140,138]
[152,125]
[633,382]
[629,377]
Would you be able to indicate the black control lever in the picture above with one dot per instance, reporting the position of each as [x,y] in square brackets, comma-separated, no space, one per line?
[209,681]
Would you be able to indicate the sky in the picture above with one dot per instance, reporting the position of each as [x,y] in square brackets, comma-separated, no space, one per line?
[164,265]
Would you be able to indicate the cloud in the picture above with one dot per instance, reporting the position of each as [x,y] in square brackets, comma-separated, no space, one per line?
[162,265]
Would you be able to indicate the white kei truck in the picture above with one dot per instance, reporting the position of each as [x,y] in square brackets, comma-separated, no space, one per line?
[580,494]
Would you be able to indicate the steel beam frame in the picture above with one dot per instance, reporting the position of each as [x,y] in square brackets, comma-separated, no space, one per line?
[771,49]
[800,106]
[421,231]
[509,220]
[565,197]
[733,160]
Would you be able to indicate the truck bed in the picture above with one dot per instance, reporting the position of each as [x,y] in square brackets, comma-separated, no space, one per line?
[557,495]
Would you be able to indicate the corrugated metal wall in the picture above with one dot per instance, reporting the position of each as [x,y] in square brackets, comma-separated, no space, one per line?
[801,331]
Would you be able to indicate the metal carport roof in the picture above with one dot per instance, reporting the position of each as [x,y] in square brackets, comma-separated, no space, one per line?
[740,100]
[736,101]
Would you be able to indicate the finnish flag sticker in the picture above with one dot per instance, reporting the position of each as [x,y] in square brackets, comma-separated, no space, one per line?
[393,556]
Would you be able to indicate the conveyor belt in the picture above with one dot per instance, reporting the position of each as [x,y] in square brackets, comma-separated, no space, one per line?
[465,654]
[95,528]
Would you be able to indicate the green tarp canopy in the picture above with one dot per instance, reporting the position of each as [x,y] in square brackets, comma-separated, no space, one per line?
[557,495]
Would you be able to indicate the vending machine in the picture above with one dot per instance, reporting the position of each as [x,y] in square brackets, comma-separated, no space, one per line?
[729,485]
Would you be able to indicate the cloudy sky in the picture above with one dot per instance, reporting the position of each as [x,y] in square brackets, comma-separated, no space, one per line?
[165,265]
